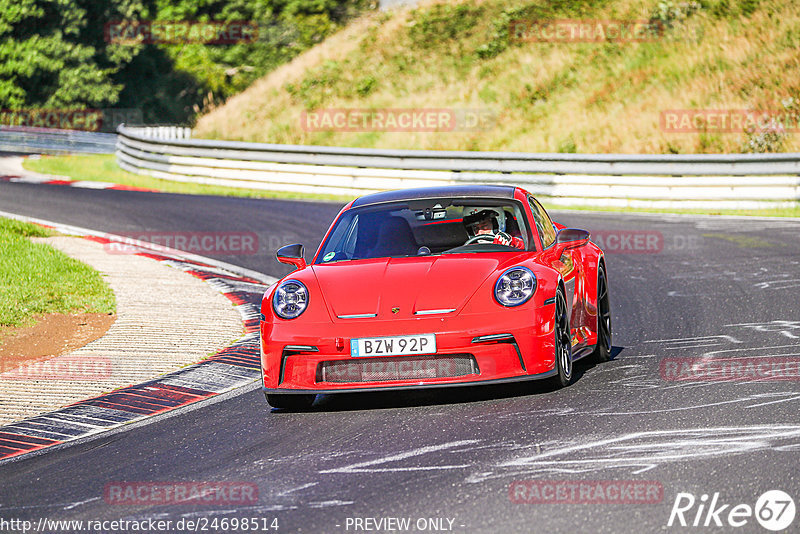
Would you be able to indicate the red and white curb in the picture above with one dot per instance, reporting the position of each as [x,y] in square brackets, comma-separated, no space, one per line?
[83,184]
[231,368]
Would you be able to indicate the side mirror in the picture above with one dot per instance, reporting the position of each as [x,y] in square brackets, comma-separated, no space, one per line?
[571,238]
[292,255]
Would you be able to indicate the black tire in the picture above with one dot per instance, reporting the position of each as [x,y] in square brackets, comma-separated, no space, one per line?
[290,402]
[563,346]
[602,351]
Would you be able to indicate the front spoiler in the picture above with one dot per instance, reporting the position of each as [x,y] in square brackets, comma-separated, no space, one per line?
[372,389]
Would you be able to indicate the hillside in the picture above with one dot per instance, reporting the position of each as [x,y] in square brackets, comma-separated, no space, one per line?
[536,96]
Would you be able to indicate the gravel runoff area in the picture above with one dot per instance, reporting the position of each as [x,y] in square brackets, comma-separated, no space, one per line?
[166,319]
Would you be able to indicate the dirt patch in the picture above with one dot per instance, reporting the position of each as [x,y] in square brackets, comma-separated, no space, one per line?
[51,336]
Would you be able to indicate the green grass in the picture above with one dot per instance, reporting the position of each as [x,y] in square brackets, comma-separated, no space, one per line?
[104,168]
[596,97]
[774,212]
[36,279]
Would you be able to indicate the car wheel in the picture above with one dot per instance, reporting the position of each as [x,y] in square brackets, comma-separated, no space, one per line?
[563,346]
[290,402]
[602,351]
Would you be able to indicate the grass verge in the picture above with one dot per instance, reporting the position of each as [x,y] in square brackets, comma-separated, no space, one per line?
[36,279]
[773,212]
[104,168]
[528,92]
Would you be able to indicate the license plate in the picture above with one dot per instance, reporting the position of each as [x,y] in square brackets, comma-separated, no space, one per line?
[393,346]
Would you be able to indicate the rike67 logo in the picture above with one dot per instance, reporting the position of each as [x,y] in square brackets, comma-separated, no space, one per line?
[774,510]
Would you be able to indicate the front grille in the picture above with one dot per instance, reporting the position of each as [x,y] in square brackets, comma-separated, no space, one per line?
[405,368]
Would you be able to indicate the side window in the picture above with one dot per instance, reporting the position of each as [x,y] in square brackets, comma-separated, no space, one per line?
[544,225]
[350,241]
[537,218]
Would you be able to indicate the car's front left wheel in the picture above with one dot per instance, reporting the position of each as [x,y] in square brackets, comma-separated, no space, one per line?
[290,402]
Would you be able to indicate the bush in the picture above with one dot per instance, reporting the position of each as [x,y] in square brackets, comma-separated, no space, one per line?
[770,136]
[440,23]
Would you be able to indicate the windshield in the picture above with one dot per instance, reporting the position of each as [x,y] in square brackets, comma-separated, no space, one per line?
[421,228]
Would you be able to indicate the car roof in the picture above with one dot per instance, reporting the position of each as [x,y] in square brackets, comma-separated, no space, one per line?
[447,191]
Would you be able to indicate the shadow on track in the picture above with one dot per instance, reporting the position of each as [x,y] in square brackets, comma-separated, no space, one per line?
[343,402]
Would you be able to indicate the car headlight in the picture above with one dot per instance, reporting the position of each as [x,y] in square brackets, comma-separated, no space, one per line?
[290,299]
[515,286]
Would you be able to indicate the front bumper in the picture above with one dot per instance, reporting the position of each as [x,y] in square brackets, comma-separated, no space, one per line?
[426,385]
[510,346]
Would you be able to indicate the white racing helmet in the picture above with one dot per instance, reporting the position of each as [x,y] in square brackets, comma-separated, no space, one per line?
[478,215]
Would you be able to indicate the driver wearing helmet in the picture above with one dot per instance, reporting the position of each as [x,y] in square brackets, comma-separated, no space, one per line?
[485,222]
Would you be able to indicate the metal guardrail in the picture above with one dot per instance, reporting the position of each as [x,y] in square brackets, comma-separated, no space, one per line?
[730,181]
[25,140]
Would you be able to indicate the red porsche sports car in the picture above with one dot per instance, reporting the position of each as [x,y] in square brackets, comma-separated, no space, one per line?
[432,287]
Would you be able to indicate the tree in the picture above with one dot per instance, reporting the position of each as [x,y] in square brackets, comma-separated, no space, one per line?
[55,54]
[52,53]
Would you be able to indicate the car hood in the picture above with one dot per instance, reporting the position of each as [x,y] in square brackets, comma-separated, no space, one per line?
[412,285]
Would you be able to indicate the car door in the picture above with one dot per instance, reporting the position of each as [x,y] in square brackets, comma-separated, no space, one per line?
[570,265]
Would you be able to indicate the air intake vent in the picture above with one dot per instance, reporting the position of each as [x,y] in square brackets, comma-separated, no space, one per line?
[385,369]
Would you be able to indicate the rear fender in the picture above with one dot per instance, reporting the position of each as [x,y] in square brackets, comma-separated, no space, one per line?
[584,314]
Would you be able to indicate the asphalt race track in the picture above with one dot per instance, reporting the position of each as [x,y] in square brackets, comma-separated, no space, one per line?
[455,460]
[276,223]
